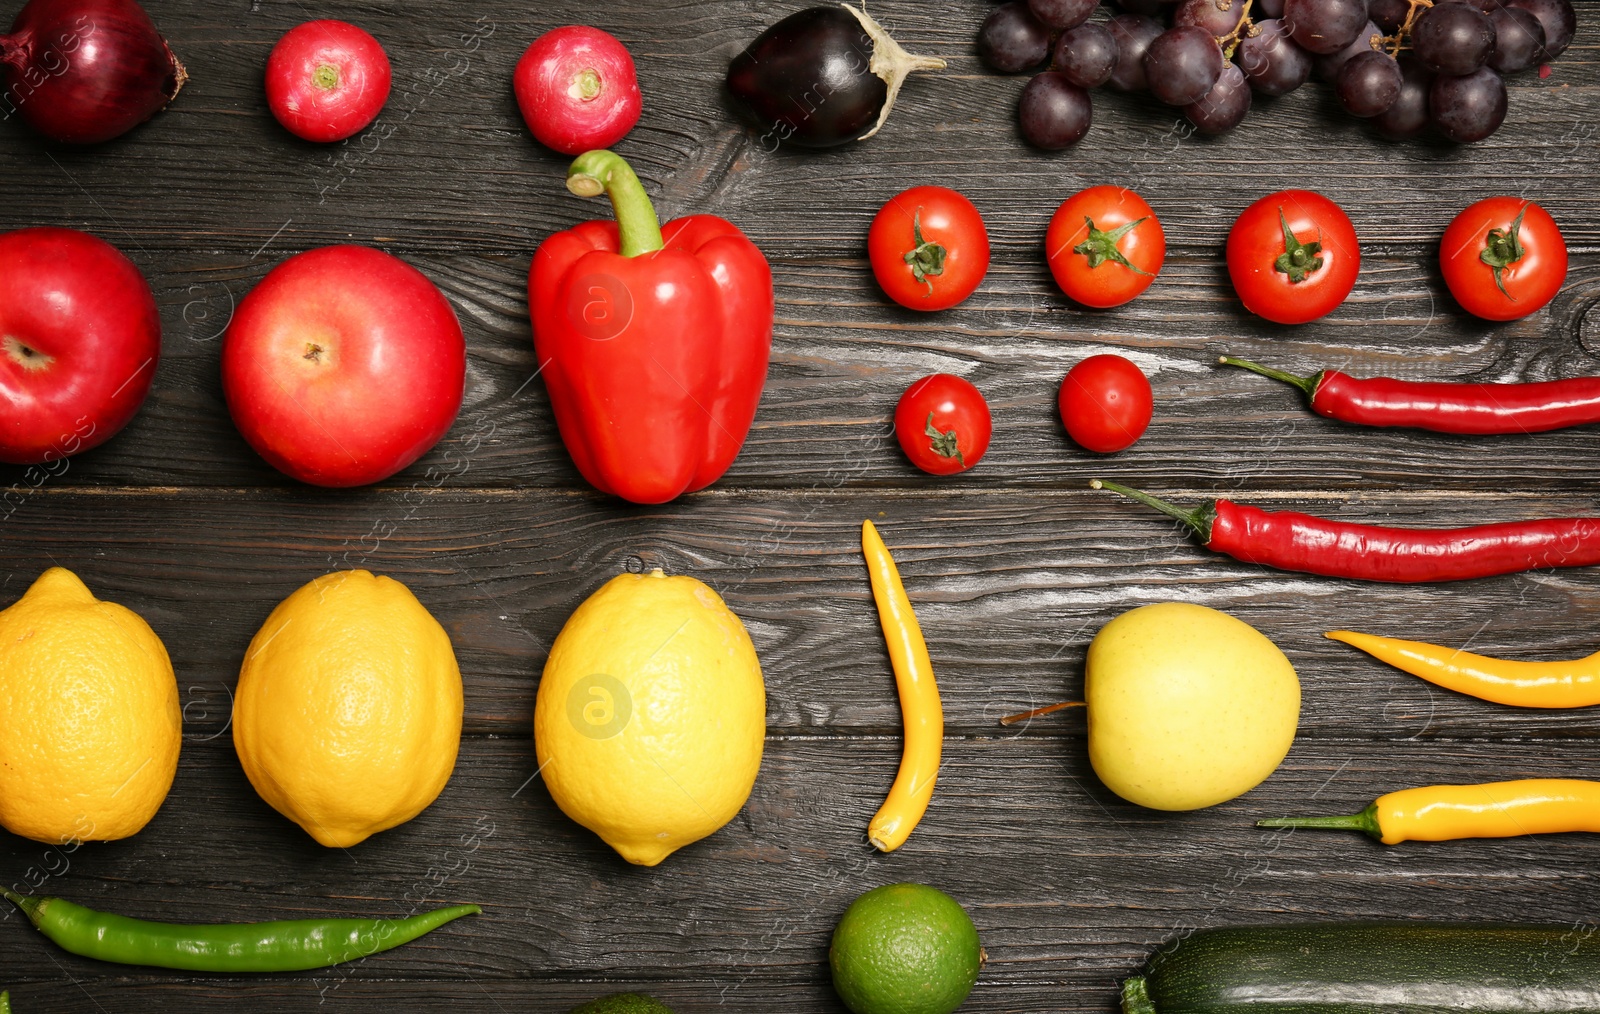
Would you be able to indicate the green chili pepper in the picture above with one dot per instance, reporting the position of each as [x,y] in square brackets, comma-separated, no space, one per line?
[289,946]
[5,1003]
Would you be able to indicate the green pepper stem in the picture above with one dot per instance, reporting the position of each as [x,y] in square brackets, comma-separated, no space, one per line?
[1306,384]
[1136,997]
[1366,822]
[1199,519]
[605,172]
[29,906]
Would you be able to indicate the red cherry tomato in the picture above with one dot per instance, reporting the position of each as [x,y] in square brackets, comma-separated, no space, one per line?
[943,424]
[928,248]
[1503,258]
[1105,246]
[1293,256]
[1106,403]
[326,80]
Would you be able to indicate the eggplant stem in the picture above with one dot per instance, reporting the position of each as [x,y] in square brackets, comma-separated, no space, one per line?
[890,62]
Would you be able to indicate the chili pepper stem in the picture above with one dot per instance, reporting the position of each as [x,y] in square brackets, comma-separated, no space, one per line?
[605,172]
[1366,822]
[1306,384]
[1195,519]
[28,905]
[1046,710]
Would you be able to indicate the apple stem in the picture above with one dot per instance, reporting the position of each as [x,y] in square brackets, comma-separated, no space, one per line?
[605,172]
[1046,710]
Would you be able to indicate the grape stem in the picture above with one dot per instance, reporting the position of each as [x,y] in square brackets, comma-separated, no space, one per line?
[1397,41]
[1242,29]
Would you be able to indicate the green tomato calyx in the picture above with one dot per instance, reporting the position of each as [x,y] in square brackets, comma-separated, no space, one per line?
[1101,246]
[1503,248]
[1298,260]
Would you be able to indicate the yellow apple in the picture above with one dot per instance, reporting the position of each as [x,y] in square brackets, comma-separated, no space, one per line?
[1188,706]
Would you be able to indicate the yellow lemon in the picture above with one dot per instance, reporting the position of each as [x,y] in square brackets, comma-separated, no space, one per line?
[348,715]
[651,715]
[89,718]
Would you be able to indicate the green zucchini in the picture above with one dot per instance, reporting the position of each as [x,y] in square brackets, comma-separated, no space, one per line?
[1374,968]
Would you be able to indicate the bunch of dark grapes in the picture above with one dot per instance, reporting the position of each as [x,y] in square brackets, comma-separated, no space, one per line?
[1403,64]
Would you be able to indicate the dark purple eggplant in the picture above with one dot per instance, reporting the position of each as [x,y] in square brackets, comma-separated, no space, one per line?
[822,77]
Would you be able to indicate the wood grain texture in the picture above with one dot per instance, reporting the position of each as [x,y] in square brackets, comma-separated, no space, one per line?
[842,355]
[1073,887]
[1012,567]
[1009,586]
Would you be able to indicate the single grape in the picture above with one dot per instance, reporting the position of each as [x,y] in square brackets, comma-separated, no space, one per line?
[1273,63]
[1388,15]
[1408,116]
[1133,34]
[1265,9]
[1325,26]
[1328,65]
[1559,19]
[1012,39]
[1468,107]
[1219,17]
[1518,40]
[1086,55]
[1182,64]
[1054,113]
[1452,39]
[1224,106]
[1062,14]
[1368,84]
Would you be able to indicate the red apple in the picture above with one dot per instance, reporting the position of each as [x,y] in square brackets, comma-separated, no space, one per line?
[343,366]
[79,340]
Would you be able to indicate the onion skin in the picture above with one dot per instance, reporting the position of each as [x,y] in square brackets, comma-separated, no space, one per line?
[86,71]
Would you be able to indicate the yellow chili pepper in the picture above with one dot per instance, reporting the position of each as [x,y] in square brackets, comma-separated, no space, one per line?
[919,700]
[1574,684]
[1448,812]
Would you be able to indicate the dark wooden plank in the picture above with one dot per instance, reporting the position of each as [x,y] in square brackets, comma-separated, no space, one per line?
[452,152]
[1010,588]
[1013,567]
[842,356]
[1066,883]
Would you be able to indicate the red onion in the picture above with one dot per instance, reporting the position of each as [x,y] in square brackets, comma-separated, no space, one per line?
[84,71]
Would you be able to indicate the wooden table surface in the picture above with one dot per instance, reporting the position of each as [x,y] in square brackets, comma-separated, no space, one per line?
[1013,567]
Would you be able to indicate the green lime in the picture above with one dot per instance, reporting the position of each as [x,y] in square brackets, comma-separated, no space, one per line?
[905,949]
[623,1003]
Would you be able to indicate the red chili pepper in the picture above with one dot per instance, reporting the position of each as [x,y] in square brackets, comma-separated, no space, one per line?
[1290,540]
[1445,407]
[653,341]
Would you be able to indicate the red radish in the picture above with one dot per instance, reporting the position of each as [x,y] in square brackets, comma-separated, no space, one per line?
[577,89]
[326,80]
[85,71]
[79,340]
[343,366]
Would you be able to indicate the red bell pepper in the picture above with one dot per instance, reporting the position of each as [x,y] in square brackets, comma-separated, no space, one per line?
[653,341]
